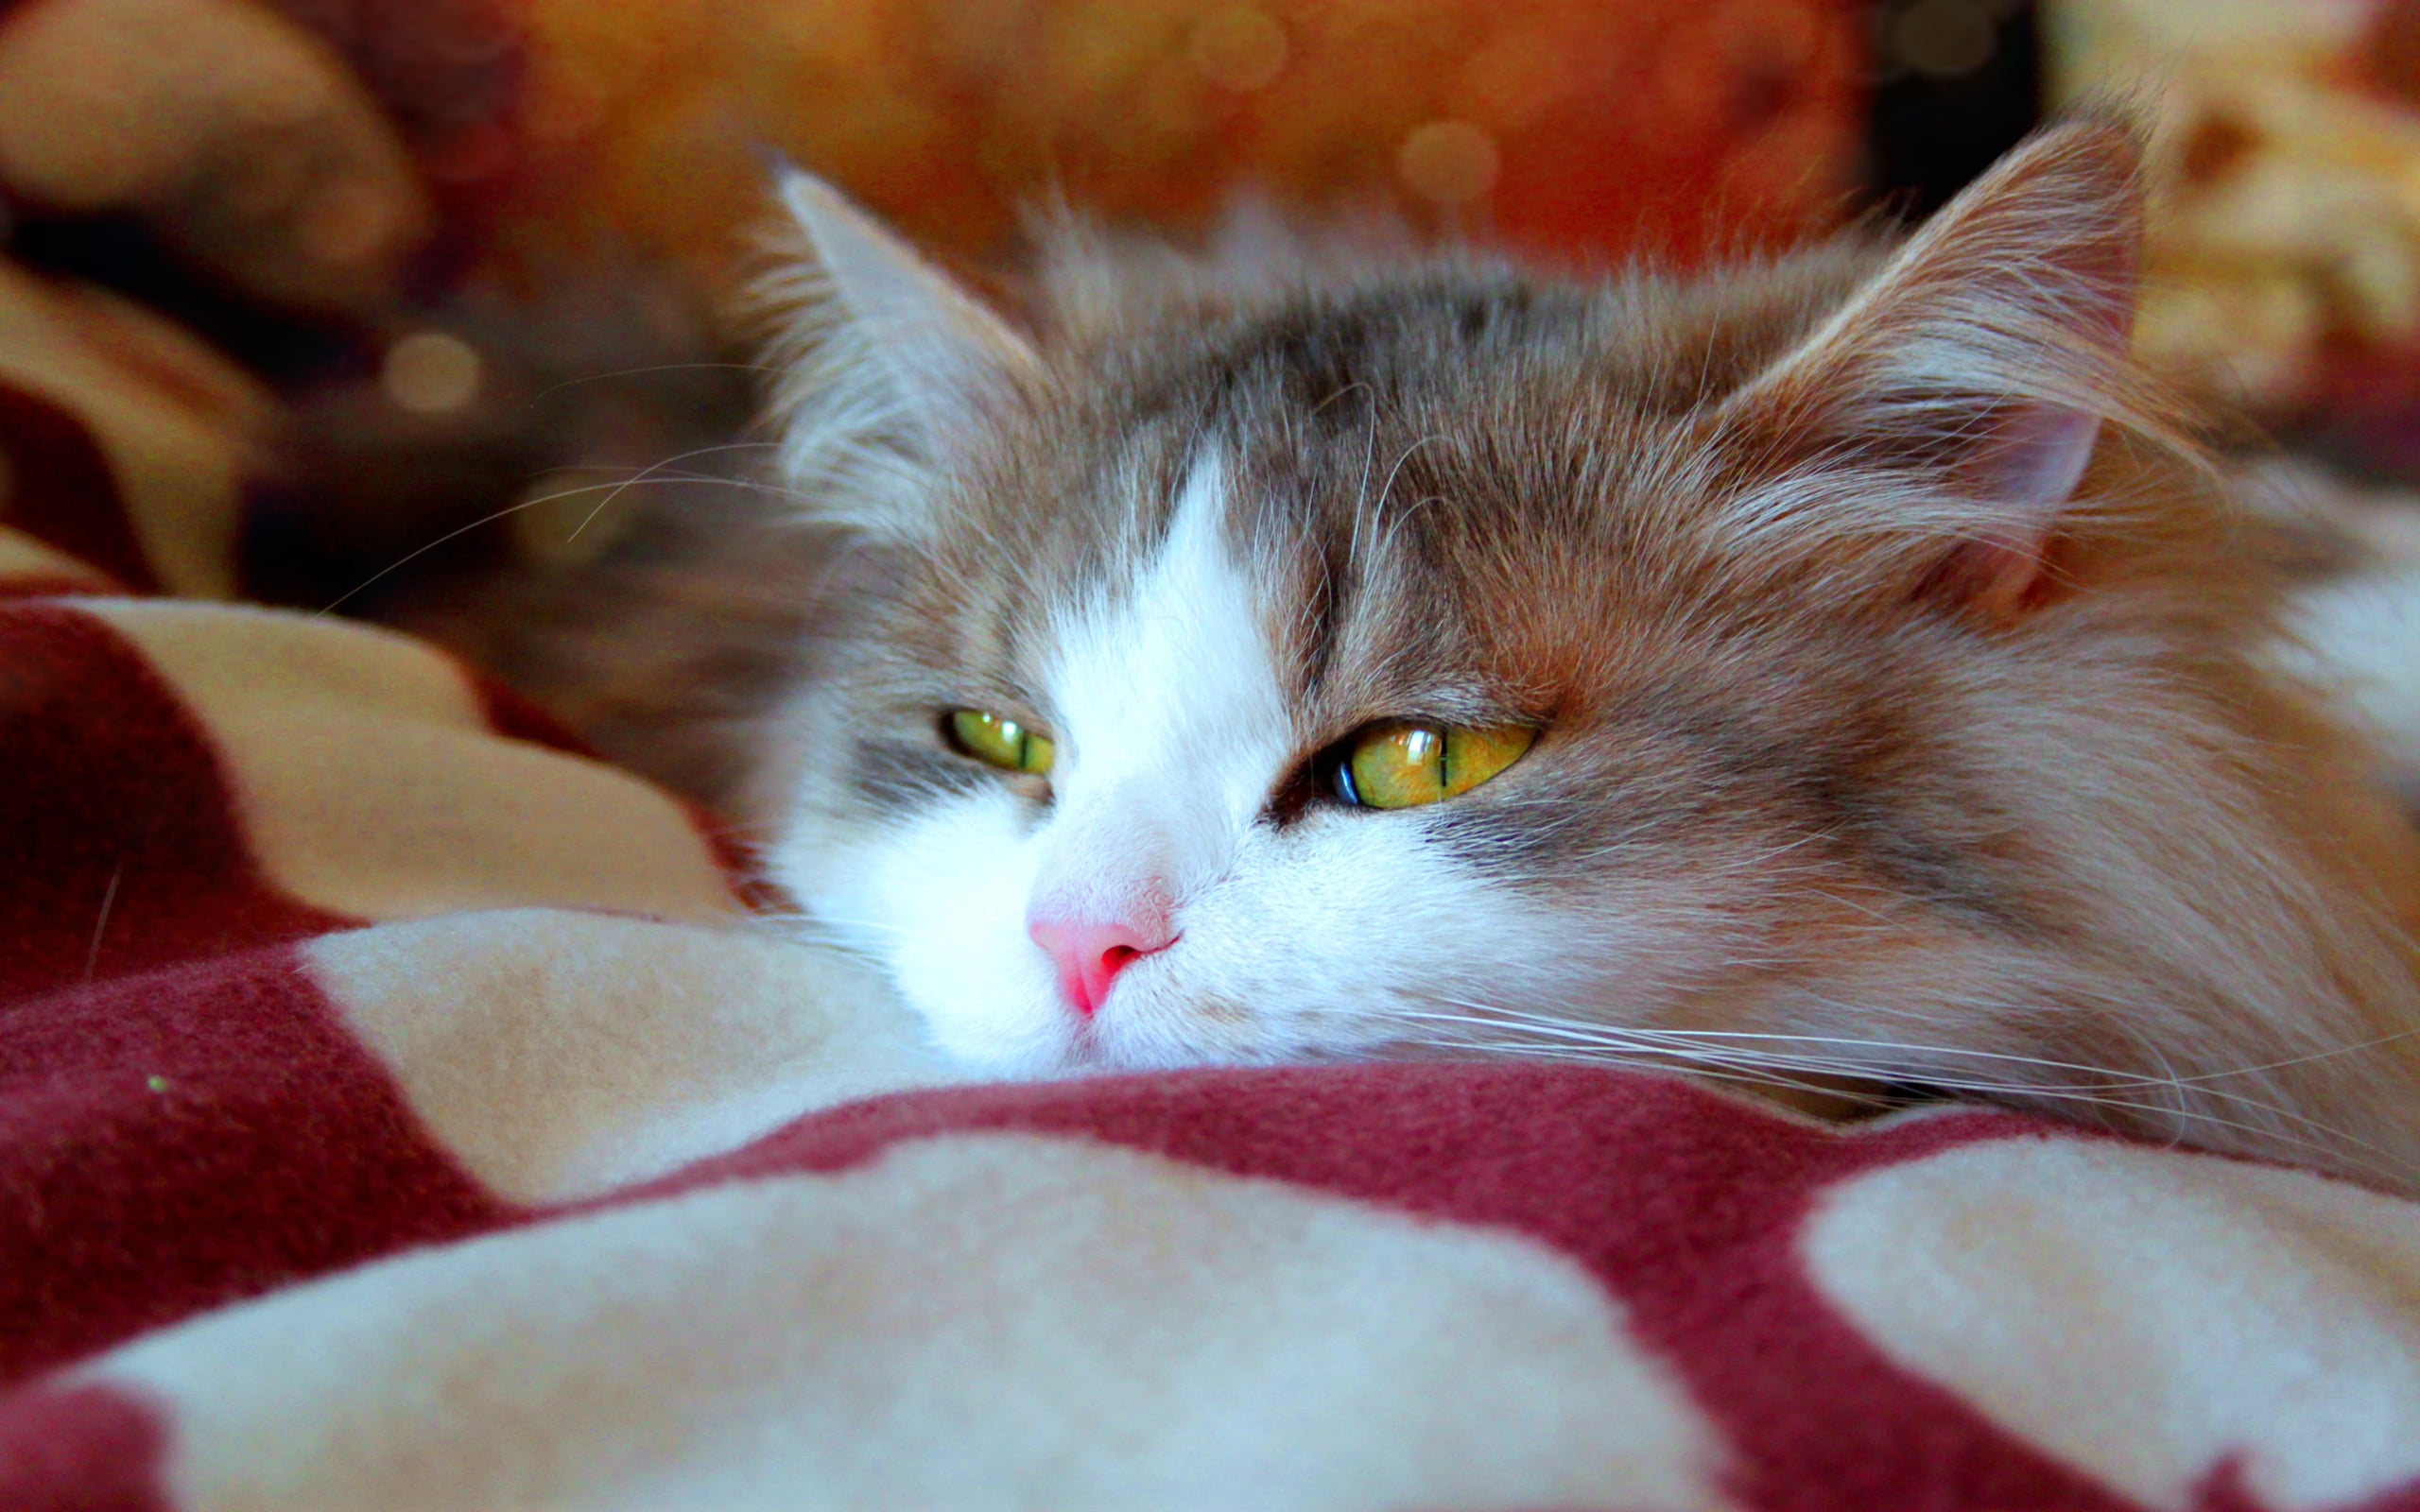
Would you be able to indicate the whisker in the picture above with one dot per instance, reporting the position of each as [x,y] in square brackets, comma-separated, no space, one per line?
[1648,1062]
[1715,1046]
[486,520]
[109,901]
[606,503]
[1387,488]
[1755,1071]
[2114,1073]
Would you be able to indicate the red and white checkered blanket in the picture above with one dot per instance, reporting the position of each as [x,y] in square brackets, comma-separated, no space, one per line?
[398,1109]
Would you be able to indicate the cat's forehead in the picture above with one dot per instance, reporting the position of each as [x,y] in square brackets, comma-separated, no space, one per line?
[1402,474]
[1185,565]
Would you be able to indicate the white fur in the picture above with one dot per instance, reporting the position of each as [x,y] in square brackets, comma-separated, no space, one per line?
[942,903]
[1172,725]
[2363,633]
[2359,634]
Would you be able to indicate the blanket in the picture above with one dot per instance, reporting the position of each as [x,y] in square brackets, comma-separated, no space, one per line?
[399,1108]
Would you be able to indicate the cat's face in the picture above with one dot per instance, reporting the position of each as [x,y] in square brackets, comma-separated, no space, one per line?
[1207,658]
[1825,667]
[1710,614]
[1208,592]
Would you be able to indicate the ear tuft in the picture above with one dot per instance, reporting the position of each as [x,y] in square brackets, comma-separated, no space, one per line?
[1959,396]
[889,369]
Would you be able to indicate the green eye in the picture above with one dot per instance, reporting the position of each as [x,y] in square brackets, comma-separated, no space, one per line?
[1398,764]
[1001,743]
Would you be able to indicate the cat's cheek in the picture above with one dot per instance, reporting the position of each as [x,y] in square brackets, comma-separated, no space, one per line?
[1333,940]
[941,902]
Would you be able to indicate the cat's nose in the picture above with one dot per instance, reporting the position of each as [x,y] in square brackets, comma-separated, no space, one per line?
[1090,952]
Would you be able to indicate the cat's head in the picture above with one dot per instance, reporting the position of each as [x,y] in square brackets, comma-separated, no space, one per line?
[1382,658]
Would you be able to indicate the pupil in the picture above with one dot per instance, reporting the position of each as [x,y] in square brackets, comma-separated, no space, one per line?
[1344,788]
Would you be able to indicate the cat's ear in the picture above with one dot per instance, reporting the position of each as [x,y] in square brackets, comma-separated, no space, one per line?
[1948,411]
[888,368]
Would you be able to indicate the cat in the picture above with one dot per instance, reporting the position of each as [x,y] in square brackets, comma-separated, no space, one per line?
[1844,664]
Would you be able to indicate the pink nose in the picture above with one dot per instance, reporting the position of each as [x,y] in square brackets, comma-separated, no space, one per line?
[1091,953]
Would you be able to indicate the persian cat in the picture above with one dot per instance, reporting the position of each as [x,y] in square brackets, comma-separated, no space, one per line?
[1842,665]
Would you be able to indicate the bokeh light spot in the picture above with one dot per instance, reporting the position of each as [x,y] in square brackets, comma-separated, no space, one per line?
[1448,162]
[1239,47]
[429,373]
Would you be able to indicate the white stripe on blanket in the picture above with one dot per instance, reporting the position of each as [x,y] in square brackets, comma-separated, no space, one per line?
[2147,1315]
[970,1322]
[558,1055]
[371,785]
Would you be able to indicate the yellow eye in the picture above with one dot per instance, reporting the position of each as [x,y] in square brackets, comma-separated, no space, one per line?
[1002,743]
[1398,764]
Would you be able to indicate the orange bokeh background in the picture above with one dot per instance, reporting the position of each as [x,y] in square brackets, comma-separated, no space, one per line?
[1579,131]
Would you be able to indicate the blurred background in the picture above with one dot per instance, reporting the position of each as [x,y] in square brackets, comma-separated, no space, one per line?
[436,260]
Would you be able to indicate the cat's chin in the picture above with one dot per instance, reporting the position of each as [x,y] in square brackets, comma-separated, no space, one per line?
[1834,1099]
[1107,1047]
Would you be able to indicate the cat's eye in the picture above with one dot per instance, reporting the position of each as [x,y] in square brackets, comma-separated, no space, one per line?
[997,741]
[1400,764]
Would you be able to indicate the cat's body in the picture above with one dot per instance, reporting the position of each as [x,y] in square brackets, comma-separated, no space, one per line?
[1885,679]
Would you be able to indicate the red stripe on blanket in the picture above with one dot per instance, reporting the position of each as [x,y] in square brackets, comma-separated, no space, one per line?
[126,852]
[181,1138]
[1685,1206]
[511,715]
[54,585]
[62,491]
[79,1449]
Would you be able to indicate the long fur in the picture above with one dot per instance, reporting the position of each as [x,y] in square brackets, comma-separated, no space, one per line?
[1878,741]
